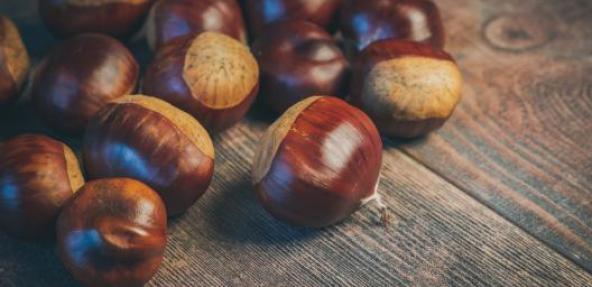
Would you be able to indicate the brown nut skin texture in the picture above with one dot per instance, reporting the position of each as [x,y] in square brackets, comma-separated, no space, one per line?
[112,233]
[325,167]
[119,19]
[164,78]
[34,184]
[14,61]
[263,12]
[79,77]
[298,59]
[128,140]
[364,22]
[389,50]
[169,19]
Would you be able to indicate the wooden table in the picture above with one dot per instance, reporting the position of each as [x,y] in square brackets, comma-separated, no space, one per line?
[501,196]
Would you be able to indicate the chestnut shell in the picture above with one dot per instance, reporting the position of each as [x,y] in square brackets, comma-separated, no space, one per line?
[112,233]
[317,163]
[79,77]
[367,21]
[311,63]
[37,176]
[263,12]
[169,19]
[118,18]
[149,140]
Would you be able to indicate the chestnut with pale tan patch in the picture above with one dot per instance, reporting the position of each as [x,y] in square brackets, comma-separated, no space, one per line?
[150,140]
[220,71]
[113,233]
[408,89]
[213,77]
[318,163]
[37,176]
[14,60]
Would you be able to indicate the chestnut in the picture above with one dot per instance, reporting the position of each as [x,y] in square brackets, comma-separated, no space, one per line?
[118,18]
[262,12]
[14,61]
[298,59]
[211,76]
[37,176]
[367,21]
[149,140]
[318,163]
[79,77]
[112,233]
[407,88]
[169,19]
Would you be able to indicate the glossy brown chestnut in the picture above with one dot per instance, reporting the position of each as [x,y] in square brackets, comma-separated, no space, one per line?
[213,77]
[318,163]
[150,140]
[112,233]
[367,21]
[14,61]
[298,59]
[262,12]
[118,18]
[169,19]
[37,176]
[79,77]
[407,88]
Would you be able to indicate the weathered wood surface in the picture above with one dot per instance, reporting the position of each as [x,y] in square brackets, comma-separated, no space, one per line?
[520,142]
[499,150]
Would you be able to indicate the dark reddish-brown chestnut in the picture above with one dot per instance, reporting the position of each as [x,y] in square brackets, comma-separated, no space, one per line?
[262,12]
[79,77]
[318,163]
[367,21]
[407,88]
[112,233]
[211,76]
[14,61]
[148,139]
[298,59]
[37,176]
[118,18]
[169,19]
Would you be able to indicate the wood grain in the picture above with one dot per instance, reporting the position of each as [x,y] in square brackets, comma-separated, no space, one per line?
[520,140]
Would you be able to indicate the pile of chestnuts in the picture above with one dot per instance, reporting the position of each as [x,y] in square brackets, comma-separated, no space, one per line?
[339,73]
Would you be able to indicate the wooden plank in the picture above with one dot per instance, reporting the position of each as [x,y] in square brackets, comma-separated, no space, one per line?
[440,236]
[520,140]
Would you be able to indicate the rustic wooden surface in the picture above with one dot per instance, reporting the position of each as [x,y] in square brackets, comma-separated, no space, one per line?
[501,196]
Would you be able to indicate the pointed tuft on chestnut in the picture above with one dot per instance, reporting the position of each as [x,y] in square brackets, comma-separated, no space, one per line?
[318,163]
[112,233]
[211,76]
[263,12]
[367,21]
[298,59]
[37,176]
[14,61]
[149,140]
[118,18]
[79,77]
[169,19]
[409,89]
